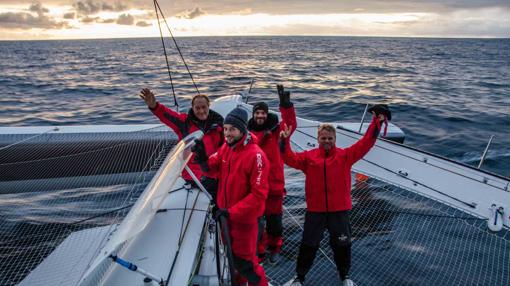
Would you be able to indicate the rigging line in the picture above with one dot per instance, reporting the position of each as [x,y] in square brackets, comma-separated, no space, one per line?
[166,56]
[177,46]
[426,153]
[471,205]
[183,233]
[29,138]
[80,153]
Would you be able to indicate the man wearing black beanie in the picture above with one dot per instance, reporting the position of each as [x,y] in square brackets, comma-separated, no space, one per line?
[238,118]
[243,171]
[266,127]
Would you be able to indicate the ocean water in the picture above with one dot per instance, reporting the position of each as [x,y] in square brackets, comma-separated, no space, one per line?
[448,95]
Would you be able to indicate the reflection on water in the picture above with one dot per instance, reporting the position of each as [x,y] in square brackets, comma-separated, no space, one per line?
[448,95]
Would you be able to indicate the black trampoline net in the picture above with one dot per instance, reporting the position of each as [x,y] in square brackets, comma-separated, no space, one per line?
[77,183]
[399,238]
[52,185]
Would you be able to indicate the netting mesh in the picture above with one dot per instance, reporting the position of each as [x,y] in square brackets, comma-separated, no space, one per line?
[54,184]
[399,238]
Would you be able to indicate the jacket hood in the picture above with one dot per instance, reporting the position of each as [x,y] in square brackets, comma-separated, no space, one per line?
[269,125]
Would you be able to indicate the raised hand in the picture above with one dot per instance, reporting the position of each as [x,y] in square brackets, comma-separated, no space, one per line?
[148,96]
[284,96]
[285,133]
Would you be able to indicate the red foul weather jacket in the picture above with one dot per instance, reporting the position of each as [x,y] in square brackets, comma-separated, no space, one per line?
[328,178]
[243,171]
[186,123]
[268,136]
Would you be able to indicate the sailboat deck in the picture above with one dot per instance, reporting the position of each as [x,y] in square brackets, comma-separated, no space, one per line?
[400,238]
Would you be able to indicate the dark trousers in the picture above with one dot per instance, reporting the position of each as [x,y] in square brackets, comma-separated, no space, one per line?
[338,225]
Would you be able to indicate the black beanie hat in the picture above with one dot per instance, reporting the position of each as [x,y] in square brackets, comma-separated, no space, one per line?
[239,118]
[260,105]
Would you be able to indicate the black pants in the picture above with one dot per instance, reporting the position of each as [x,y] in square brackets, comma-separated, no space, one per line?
[210,184]
[339,228]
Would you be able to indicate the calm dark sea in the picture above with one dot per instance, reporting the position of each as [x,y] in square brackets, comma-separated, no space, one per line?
[448,95]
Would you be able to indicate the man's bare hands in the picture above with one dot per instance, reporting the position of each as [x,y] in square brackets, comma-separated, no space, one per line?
[148,96]
[285,133]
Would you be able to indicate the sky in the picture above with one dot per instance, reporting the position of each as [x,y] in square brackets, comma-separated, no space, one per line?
[85,19]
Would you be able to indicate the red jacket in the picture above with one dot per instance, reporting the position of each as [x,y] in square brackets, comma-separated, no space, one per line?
[183,124]
[268,137]
[328,178]
[243,171]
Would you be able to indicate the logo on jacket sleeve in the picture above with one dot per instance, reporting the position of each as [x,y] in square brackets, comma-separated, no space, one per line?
[260,164]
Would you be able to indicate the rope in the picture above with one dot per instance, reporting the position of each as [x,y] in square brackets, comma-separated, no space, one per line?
[156,4]
[166,56]
[26,139]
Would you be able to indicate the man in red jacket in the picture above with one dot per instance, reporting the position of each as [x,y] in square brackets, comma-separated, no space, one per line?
[328,193]
[199,117]
[266,127]
[243,170]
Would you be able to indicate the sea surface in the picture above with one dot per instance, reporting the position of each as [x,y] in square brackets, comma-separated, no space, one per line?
[448,95]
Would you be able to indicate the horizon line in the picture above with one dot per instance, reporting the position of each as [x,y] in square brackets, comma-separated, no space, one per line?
[261,36]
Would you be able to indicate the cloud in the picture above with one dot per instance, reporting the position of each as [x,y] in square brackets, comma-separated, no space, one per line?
[292,7]
[27,20]
[117,7]
[88,20]
[126,19]
[87,7]
[143,24]
[107,21]
[90,7]
[38,8]
[192,14]
[70,15]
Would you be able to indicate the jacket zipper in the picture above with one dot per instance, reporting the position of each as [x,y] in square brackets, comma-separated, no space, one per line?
[226,182]
[325,185]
